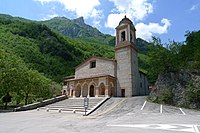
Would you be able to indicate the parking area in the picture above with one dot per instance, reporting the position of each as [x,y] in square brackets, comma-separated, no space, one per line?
[115,116]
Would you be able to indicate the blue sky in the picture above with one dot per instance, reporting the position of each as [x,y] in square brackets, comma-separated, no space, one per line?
[167,19]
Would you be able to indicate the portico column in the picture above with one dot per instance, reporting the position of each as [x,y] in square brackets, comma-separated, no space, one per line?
[71,92]
[97,91]
[88,91]
[81,92]
[74,92]
[106,90]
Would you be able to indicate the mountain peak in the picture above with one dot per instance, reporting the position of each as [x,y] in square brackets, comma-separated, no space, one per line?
[79,21]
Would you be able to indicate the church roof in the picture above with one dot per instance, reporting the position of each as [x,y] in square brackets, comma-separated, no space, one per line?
[125,20]
[91,77]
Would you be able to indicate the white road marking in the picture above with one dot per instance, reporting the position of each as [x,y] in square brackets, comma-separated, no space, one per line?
[143,105]
[182,111]
[196,129]
[161,110]
[171,127]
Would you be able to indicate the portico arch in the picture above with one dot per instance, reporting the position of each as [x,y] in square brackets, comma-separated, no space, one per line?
[111,89]
[85,90]
[92,91]
[102,89]
[78,91]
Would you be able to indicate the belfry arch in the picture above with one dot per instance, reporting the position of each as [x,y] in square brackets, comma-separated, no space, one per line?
[123,36]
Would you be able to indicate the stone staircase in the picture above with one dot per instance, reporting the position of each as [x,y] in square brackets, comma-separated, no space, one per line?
[75,105]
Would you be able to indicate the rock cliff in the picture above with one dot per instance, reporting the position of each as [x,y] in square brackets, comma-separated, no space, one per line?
[177,88]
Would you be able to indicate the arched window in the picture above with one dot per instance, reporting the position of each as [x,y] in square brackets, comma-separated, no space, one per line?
[123,36]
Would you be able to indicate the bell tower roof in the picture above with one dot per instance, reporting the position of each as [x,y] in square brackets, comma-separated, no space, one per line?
[125,20]
[125,34]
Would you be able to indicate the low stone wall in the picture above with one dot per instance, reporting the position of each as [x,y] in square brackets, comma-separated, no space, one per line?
[41,104]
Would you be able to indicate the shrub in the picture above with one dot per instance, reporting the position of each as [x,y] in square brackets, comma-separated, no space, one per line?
[193,94]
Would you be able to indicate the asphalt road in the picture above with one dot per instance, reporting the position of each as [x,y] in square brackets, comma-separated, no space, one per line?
[117,115]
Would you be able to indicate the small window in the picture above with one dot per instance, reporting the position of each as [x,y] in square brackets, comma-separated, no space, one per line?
[92,64]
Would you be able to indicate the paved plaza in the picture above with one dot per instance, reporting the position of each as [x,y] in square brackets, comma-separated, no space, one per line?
[117,115]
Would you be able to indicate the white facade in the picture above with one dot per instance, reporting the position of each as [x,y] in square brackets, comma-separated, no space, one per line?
[103,67]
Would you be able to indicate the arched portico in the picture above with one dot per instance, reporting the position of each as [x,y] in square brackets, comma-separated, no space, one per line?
[78,91]
[85,90]
[92,91]
[102,89]
[92,87]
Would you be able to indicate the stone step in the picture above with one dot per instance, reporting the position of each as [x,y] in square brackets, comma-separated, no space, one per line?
[74,104]
[66,109]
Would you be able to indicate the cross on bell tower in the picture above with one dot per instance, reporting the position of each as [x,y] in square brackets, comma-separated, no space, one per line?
[127,59]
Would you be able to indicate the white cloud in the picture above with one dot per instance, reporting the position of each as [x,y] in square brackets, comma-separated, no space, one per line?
[96,15]
[194,7]
[47,17]
[113,20]
[137,9]
[133,9]
[145,31]
[51,14]
[83,8]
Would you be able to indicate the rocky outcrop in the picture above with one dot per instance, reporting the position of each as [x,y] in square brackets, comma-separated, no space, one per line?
[176,86]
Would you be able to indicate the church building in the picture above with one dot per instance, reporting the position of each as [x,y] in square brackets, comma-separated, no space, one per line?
[120,77]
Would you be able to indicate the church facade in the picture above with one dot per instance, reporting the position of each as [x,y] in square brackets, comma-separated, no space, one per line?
[97,76]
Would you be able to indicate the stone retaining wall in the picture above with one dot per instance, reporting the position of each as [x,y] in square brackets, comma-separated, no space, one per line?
[41,104]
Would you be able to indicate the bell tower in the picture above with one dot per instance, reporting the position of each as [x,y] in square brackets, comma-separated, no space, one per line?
[127,59]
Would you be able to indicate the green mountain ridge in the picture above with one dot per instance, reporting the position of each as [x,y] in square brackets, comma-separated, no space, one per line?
[77,28]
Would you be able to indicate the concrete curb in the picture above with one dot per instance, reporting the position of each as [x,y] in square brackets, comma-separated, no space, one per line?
[41,104]
[97,106]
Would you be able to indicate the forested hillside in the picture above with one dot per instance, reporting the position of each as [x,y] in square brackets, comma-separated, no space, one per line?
[175,70]
[46,51]
[31,49]
[175,56]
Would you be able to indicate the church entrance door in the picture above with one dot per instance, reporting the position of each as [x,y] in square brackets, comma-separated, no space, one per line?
[123,92]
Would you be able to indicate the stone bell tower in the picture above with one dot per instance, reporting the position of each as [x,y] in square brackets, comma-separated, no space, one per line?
[127,59]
